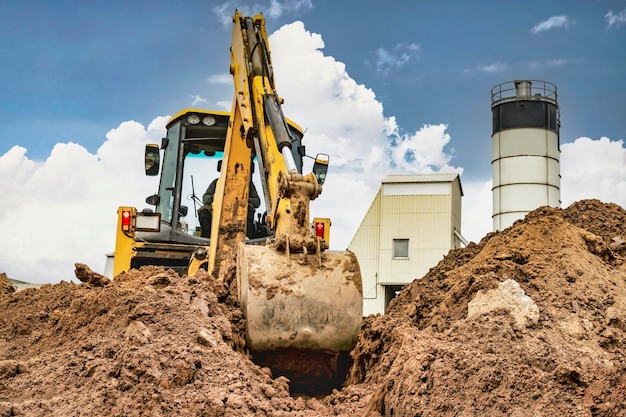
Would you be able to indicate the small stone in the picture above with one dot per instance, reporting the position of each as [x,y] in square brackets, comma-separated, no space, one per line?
[206,338]
[201,304]
[138,331]
[510,297]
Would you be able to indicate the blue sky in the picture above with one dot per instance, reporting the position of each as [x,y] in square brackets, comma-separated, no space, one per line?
[74,70]
[80,78]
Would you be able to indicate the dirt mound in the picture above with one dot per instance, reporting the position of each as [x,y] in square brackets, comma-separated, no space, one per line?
[6,287]
[458,343]
[148,344]
[530,321]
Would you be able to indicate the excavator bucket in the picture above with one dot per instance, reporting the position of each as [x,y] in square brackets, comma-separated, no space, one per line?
[303,312]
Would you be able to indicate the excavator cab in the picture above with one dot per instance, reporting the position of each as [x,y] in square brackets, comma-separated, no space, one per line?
[188,160]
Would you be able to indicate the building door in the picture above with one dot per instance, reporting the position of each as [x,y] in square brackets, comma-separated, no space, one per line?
[391,291]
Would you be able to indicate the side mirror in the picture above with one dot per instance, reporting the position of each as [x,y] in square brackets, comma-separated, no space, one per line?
[320,167]
[152,159]
[183,210]
[153,200]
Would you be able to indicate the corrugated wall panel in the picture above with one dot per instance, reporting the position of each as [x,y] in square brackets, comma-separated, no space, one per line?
[425,220]
[365,246]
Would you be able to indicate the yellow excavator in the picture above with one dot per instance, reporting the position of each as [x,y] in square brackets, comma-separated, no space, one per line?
[302,302]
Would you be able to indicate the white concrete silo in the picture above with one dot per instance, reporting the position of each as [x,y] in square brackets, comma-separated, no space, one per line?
[526,151]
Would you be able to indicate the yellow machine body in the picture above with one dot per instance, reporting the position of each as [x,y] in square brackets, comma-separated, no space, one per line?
[302,303]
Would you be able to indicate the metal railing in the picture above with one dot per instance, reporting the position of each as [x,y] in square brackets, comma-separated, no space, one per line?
[523,90]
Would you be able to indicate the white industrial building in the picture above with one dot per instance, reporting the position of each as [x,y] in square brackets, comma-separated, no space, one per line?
[411,225]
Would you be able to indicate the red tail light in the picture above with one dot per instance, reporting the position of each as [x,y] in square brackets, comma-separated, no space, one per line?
[319,229]
[126,216]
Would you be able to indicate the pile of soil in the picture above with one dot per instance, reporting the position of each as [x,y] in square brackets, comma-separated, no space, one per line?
[529,321]
[560,352]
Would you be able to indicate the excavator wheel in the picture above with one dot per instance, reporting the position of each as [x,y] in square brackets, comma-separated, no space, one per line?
[303,312]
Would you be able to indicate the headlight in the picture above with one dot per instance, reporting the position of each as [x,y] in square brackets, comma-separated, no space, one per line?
[200,253]
[208,120]
[193,119]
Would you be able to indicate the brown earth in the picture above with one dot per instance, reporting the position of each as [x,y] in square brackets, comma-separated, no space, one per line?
[531,321]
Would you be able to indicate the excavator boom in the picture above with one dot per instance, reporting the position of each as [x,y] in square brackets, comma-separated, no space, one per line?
[302,303]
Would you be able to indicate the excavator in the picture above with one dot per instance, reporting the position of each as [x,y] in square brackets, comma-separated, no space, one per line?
[302,302]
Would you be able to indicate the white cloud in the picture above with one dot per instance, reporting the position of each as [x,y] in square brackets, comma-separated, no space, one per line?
[222,86]
[552,63]
[561,21]
[500,67]
[616,19]
[197,99]
[221,79]
[63,210]
[593,169]
[401,54]
[275,9]
[224,105]
[493,68]
[225,12]
[556,62]
[422,151]
[477,208]
[342,118]
[345,120]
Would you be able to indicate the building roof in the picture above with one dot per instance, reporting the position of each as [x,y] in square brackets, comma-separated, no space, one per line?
[419,178]
[21,285]
[422,178]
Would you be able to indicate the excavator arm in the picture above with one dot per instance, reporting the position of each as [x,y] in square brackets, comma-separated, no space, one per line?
[258,126]
[303,304]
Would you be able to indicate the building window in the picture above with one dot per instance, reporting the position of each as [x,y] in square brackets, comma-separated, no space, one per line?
[401,248]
